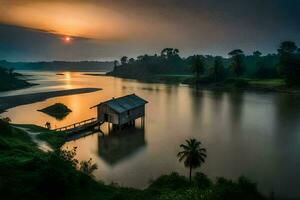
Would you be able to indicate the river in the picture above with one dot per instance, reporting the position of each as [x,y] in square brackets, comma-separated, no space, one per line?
[245,133]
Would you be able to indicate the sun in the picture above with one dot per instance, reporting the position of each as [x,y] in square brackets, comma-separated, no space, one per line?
[67,39]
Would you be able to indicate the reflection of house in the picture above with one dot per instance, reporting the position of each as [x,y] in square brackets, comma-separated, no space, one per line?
[118,145]
[123,110]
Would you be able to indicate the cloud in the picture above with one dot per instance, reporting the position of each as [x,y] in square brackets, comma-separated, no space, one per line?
[134,26]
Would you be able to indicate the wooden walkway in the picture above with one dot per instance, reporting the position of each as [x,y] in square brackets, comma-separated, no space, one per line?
[80,126]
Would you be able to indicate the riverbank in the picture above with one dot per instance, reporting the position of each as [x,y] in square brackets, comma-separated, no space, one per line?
[245,84]
[56,175]
[17,100]
[10,80]
[230,84]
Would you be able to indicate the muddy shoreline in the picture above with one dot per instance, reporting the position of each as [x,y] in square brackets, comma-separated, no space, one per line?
[8,102]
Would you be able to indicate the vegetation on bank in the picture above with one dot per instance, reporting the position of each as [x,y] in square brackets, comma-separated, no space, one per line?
[57,110]
[28,173]
[53,138]
[256,71]
[9,80]
[59,65]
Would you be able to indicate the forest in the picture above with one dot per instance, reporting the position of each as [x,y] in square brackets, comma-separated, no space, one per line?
[285,65]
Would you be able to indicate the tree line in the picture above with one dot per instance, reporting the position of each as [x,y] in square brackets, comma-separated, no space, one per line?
[284,64]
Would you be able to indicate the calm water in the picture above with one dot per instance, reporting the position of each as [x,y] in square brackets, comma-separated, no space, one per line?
[257,135]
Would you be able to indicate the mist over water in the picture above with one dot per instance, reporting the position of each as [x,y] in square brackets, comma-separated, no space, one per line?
[251,134]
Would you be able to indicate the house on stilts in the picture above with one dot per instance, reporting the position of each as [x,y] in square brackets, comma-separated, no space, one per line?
[121,111]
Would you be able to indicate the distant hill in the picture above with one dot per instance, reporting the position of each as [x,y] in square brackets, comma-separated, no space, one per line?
[60,66]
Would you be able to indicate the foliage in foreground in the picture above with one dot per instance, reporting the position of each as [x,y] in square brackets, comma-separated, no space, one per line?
[176,187]
[28,173]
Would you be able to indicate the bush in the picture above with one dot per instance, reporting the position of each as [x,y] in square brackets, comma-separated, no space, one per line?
[173,182]
[4,127]
[247,185]
[202,181]
[239,83]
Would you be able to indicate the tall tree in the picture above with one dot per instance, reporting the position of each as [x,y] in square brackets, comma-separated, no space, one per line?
[257,54]
[237,64]
[124,60]
[168,53]
[192,154]
[289,62]
[261,66]
[116,64]
[131,61]
[198,66]
[218,68]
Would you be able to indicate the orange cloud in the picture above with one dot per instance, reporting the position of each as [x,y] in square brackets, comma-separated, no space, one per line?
[66,18]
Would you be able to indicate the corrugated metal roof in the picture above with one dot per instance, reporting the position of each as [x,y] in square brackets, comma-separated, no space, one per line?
[125,103]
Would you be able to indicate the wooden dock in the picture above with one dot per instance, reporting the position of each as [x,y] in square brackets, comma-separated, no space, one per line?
[80,126]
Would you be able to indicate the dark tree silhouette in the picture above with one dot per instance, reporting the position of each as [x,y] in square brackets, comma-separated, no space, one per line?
[193,155]
[198,66]
[237,64]
[257,54]
[131,60]
[218,68]
[124,60]
[289,65]
[168,53]
[116,63]
[288,47]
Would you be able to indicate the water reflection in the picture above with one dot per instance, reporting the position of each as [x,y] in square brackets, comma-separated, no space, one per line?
[250,134]
[236,108]
[120,145]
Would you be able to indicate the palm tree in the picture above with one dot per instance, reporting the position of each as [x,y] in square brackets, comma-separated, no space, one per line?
[193,154]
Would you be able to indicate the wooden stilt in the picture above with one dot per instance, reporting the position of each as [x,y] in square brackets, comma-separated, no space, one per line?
[143,121]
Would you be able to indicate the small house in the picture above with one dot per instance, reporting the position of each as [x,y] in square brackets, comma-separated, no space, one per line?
[122,110]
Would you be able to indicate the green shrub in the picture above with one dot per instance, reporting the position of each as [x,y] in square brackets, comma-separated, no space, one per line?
[5,128]
[173,182]
[240,83]
[202,181]
[247,185]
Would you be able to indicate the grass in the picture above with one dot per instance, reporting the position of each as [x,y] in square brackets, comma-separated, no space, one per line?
[267,82]
[189,78]
[176,75]
[28,173]
[53,138]
[172,78]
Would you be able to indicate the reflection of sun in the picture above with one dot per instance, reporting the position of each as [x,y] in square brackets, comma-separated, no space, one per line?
[68,80]
[68,76]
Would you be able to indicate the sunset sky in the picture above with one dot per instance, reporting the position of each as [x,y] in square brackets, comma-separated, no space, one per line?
[32,30]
